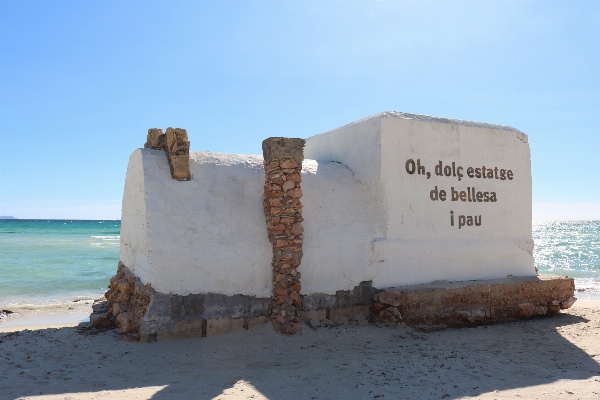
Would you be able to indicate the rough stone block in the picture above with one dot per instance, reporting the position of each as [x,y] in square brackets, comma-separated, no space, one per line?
[186,329]
[541,310]
[123,318]
[256,321]
[223,325]
[156,139]
[308,315]
[554,306]
[101,319]
[526,309]
[335,314]
[178,153]
[314,322]
[177,141]
[391,314]
[100,307]
[129,327]
[148,337]
[180,167]
[361,320]
[287,185]
[391,298]
[283,148]
[567,303]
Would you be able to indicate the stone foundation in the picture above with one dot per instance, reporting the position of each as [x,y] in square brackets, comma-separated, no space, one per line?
[283,212]
[142,314]
[441,305]
[171,316]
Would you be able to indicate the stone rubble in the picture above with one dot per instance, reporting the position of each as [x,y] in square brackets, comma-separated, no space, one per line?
[126,303]
[100,315]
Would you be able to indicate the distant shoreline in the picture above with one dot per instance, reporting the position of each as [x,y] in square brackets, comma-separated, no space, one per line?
[11,218]
[54,219]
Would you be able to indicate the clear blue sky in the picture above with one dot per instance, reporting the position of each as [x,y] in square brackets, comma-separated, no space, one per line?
[82,81]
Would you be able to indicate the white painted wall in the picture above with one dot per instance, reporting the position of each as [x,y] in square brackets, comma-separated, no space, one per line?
[418,243]
[209,234]
[339,224]
[358,144]
[204,235]
[135,246]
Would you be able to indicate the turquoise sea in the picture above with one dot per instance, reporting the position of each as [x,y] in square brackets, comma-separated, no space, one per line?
[45,264]
[49,264]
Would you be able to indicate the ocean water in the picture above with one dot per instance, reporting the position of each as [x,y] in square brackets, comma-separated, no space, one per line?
[570,248]
[52,264]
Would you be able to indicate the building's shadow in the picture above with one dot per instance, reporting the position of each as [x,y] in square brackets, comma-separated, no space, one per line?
[344,362]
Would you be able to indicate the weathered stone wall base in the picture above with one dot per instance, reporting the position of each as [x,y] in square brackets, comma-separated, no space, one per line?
[199,328]
[172,316]
[142,314]
[441,305]
[335,316]
[320,309]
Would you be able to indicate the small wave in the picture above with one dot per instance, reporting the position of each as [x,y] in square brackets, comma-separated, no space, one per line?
[107,237]
[50,304]
[587,285]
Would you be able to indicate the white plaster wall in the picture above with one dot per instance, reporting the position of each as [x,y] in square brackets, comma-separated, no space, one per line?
[207,234]
[135,247]
[358,144]
[417,243]
[339,224]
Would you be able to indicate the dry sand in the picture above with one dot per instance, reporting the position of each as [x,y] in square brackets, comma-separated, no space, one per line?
[557,356]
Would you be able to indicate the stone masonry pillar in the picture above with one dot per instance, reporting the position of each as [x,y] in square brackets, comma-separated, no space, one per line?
[283,211]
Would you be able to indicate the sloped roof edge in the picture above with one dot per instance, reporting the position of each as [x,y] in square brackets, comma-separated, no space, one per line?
[427,118]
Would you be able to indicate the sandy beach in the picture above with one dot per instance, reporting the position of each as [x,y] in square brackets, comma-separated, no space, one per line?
[557,356]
